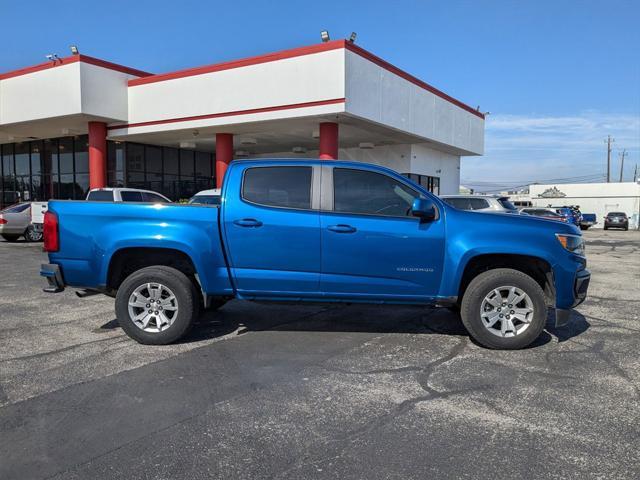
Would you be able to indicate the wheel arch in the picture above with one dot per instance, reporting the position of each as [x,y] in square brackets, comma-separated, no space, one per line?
[128,260]
[536,267]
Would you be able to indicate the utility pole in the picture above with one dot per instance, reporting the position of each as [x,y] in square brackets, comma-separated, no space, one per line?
[635,173]
[622,155]
[609,141]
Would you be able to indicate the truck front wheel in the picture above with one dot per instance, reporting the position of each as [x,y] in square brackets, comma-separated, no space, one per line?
[504,309]
[156,305]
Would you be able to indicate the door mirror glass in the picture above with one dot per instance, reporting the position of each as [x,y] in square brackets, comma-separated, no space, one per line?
[423,209]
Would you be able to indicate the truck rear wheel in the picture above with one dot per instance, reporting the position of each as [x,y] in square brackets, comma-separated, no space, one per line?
[504,309]
[156,305]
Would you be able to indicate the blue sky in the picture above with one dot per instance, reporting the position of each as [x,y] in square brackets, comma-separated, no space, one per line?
[557,76]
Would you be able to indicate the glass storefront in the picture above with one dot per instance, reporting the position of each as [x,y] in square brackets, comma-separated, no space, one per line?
[59,168]
[432,184]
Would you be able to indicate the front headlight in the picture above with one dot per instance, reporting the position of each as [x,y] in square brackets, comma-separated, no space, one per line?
[572,243]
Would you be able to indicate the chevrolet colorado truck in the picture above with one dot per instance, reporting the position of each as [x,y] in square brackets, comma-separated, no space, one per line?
[316,231]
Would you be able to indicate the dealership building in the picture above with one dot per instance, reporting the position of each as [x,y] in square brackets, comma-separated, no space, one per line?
[78,122]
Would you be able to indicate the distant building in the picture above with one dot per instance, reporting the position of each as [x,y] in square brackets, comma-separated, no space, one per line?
[598,198]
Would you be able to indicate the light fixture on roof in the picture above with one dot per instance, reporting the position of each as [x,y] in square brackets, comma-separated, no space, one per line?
[248,141]
[242,154]
[299,150]
[187,144]
[315,134]
[53,57]
[352,38]
[74,50]
[366,145]
[324,35]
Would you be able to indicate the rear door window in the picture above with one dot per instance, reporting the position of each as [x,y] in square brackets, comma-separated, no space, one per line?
[283,187]
[461,203]
[478,203]
[131,196]
[153,197]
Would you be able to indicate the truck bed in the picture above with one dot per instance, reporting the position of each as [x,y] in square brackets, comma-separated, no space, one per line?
[92,232]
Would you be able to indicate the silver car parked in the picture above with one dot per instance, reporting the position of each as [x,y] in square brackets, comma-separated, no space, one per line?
[15,222]
[482,203]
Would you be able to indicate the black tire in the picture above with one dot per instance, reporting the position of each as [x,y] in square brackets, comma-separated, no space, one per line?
[11,238]
[606,228]
[181,287]
[584,227]
[481,286]
[31,235]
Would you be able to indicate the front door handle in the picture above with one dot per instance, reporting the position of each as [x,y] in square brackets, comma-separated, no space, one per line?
[342,228]
[248,222]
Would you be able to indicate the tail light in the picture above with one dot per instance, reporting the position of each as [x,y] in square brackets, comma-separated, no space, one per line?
[2,221]
[50,232]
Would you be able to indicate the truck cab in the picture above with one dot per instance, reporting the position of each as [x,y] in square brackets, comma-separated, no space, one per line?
[317,231]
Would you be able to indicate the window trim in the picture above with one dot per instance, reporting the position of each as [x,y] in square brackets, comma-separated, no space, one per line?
[313,188]
[375,215]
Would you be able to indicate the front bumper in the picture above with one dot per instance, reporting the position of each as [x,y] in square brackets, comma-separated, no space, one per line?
[52,273]
[580,287]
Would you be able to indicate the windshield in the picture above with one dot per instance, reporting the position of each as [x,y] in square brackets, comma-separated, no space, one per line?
[205,199]
[506,204]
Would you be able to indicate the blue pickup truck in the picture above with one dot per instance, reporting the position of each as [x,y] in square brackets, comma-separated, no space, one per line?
[316,231]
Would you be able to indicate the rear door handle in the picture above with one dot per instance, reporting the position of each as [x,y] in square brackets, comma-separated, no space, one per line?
[248,222]
[342,228]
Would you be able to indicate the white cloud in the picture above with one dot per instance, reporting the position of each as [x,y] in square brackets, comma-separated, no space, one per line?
[522,149]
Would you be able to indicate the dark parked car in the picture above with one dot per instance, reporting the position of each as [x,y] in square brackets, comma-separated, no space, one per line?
[616,220]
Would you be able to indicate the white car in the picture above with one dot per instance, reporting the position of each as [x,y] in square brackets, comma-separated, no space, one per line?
[15,222]
[125,195]
[206,197]
[482,203]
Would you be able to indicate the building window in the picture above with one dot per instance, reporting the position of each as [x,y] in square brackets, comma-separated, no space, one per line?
[115,164]
[59,168]
[431,184]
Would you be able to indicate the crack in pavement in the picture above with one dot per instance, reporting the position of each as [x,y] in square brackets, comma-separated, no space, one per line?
[339,444]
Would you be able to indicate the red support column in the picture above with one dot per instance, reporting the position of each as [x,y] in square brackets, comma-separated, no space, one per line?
[97,154]
[224,155]
[328,141]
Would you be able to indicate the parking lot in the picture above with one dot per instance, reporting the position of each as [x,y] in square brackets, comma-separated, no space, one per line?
[318,392]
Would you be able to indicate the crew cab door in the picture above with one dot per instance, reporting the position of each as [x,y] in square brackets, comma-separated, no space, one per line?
[272,229]
[372,248]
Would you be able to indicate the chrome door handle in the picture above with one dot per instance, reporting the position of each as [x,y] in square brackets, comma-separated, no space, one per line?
[342,228]
[248,222]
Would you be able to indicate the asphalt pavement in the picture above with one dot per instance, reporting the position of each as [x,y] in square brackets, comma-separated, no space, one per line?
[272,391]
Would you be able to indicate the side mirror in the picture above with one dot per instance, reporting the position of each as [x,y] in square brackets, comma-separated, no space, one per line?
[423,209]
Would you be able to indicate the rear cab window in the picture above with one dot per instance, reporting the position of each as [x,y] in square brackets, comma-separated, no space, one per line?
[131,196]
[100,196]
[281,187]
